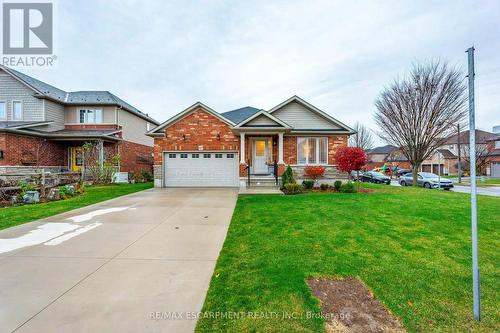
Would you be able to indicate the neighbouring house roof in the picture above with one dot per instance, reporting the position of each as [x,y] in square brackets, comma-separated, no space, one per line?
[446,153]
[387,149]
[238,115]
[68,135]
[22,124]
[91,97]
[481,137]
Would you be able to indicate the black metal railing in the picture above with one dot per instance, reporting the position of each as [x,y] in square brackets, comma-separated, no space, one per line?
[247,168]
[276,172]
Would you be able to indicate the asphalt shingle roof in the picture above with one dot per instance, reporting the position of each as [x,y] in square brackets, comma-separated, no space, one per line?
[446,153]
[481,137]
[238,115]
[383,150]
[78,97]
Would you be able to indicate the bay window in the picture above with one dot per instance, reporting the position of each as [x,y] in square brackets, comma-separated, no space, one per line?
[312,150]
[90,116]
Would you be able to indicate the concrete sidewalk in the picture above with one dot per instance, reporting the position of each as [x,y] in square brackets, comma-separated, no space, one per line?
[130,264]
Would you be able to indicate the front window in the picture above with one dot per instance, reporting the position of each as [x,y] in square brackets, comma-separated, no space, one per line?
[312,150]
[497,144]
[90,116]
[3,111]
[17,110]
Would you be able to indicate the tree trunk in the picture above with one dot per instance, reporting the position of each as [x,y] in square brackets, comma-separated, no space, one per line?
[414,171]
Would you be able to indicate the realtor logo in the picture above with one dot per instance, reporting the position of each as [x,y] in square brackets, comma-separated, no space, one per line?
[27,28]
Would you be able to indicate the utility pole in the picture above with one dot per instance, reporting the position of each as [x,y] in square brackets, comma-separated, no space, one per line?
[459,161]
[473,198]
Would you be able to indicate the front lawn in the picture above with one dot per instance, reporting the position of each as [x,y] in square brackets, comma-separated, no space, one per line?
[12,216]
[410,246]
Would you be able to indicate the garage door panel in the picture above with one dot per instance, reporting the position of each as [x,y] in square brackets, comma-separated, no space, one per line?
[202,171]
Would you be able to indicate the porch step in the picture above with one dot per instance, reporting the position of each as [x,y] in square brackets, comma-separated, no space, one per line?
[270,182]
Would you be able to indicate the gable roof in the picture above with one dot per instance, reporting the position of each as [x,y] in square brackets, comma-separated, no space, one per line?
[387,149]
[262,113]
[92,97]
[314,109]
[182,114]
[238,115]
[446,153]
[481,137]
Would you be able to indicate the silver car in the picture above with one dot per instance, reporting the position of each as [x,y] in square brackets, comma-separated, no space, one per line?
[427,180]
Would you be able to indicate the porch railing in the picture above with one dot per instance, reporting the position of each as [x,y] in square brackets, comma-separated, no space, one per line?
[275,164]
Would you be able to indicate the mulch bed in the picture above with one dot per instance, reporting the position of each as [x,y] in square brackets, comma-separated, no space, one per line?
[348,306]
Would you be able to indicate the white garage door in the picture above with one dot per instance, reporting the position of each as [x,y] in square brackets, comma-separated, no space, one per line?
[200,169]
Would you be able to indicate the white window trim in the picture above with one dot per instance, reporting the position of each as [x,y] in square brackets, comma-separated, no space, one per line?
[497,144]
[12,110]
[78,110]
[316,150]
[6,113]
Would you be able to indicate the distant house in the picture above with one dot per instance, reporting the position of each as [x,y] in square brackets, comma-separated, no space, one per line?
[44,126]
[388,155]
[445,159]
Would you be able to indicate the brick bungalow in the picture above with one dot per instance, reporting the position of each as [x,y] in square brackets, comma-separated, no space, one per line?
[201,147]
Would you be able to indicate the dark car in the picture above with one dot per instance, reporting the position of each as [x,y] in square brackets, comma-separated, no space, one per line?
[354,175]
[401,172]
[375,177]
[427,180]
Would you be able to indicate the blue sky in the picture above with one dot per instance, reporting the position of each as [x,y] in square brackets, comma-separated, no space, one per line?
[163,56]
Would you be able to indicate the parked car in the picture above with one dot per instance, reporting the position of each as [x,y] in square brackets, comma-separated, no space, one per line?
[375,177]
[354,175]
[402,172]
[427,180]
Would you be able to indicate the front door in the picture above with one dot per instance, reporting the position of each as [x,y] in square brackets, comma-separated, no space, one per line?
[260,156]
[76,159]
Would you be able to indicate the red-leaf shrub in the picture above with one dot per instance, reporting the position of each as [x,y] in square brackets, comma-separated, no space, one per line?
[314,171]
[350,159]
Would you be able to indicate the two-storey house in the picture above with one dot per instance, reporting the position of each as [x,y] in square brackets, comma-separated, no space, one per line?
[44,126]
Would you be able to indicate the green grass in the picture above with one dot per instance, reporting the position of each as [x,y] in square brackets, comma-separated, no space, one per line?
[12,216]
[410,246]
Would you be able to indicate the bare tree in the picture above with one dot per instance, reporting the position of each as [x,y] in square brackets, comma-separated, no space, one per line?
[418,112]
[483,154]
[363,138]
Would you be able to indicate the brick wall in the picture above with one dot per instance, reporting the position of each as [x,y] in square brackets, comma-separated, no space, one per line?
[199,128]
[290,148]
[26,150]
[135,157]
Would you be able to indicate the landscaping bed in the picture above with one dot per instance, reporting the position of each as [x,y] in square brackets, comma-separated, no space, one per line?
[19,214]
[409,246]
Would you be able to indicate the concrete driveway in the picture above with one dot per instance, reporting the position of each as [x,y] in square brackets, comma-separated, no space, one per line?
[139,263]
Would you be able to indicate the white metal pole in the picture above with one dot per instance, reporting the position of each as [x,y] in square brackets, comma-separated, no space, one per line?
[473,198]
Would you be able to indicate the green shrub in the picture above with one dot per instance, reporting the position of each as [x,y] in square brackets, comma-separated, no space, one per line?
[308,184]
[147,176]
[292,188]
[348,188]
[337,185]
[324,187]
[287,176]
[25,187]
[66,191]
